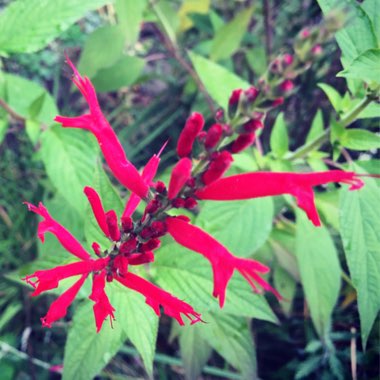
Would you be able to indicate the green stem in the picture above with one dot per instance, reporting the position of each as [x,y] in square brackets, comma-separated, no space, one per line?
[353,114]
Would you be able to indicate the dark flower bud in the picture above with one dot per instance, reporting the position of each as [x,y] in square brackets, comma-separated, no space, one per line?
[159,228]
[160,187]
[287,85]
[242,142]
[147,233]
[120,265]
[127,224]
[190,203]
[96,247]
[178,203]
[218,166]
[252,125]
[251,94]
[109,277]
[113,227]
[193,126]
[191,182]
[235,96]
[152,206]
[228,131]
[202,136]
[150,245]
[213,136]
[128,246]
[277,102]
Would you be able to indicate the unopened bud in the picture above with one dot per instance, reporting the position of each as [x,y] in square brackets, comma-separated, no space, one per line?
[251,94]
[126,224]
[252,125]
[128,246]
[109,277]
[180,174]
[96,247]
[113,227]
[287,59]
[178,203]
[287,85]
[159,228]
[242,142]
[190,203]
[235,96]
[150,245]
[218,166]
[277,102]
[213,136]
[186,139]
[202,136]
[152,206]
[305,33]
[317,50]
[160,187]
[219,115]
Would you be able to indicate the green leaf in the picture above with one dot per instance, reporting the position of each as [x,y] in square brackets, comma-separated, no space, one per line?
[130,16]
[69,157]
[21,94]
[242,226]
[227,39]
[360,231]
[257,59]
[320,271]
[286,286]
[365,67]
[168,18]
[93,58]
[3,129]
[215,77]
[372,9]
[279,141]
[333,95]
[23,30]
[357,35]
[359,139]
[187,275]
[316,127]
[189,7]
[86,352]
[33,130]
[195,350]
[123,73]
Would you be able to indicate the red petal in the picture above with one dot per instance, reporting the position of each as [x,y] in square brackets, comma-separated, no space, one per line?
[156,297]
[141,258]
[97,209]
[102,307]
[67,240]
[180,174]
[186,139]
[263,184]
[58,308]
[222,261]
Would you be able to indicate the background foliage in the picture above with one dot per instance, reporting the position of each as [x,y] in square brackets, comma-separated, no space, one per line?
[153,62]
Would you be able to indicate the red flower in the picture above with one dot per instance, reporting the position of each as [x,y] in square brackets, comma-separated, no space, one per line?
[186,139]
[110,145]
[220,163]
[222,261]
[180,174]
[263,184]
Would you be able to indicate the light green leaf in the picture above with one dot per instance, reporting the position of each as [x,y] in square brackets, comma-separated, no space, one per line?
[33,130]
[357,35]
[188,275]
[242,226]
[372,9]
[257,59]
[167,17]
[122,74]
[320,271]
[23,30]
[69,156]
[316,127]
[93,58]
[359,139]
[333,95]
[279,140]
[360,231]
[21,93]
[129,16]
[227,39]
[365,67]
[286,286]
[215,78]
[195,350]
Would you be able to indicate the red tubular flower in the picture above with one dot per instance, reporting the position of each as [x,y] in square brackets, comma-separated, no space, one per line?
[222,261]
[193,126]
[67,240]
[242,142]
[110,145]
[112,224]
[102,307]
[213,136]
[180,174]
[58,309]
[155,297]
[263,184]
[97,209]
[235,96]
[141,258]
[218,166]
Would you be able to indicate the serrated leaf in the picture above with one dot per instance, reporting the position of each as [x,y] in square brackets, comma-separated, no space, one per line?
[279,140]
[360,231]
[333,95]
[316,127]
[242,226]
[365,67]
[93,58]
[320,271]
[69,157]
[227,39]
[23,30]
[123,73]
[195,350]
[215,76]
[359,139]
[187,275]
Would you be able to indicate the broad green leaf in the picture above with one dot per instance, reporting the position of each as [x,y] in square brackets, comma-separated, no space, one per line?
[333,95]
[195,350]
[279,140]
[286,286]
[365,67]
[360,231]
[227,39]
[232,339]
[357,35]
[29,25]
[372,9]
[123,73]
[359,139]
[33,130]
[320,271]
[87,352]
[69,156]
[327,203]
[93,58]
[191,6]
[316,127]
[219,82]
[188,276]
[130,16]
[167,17]
[242,226]
[21,93]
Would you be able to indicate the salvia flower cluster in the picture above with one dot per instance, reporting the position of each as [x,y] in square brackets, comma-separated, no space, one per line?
[199,174]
